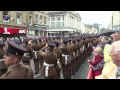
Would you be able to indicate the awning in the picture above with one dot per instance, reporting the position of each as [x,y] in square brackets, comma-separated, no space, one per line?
[12,31]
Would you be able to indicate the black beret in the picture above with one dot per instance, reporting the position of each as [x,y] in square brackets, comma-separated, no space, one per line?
[51,44]
[74,39]
[57,42]
[65,39]
[15,49]
[17,41]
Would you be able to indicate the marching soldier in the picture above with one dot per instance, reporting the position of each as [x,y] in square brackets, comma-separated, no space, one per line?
[12,58]
[74,55]
[66,60]
[50,61]
[36,57]
[58,51]
[27,55]
[3,66]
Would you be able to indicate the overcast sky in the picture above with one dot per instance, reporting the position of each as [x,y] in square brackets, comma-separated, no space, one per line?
[100,17]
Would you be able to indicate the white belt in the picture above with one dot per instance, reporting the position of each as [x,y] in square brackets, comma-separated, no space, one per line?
[88,45]
[66,58]
[83,48]
[47,68]
[77,53]
[74,55]
[58,62]
[25,54]
[35,53]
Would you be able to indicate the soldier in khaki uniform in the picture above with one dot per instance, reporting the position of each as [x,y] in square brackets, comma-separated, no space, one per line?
[66,60]
[36,57]
[74,55]
[70,44]
[3,66]
[12,58]
[50,61]
[27,55]
[58,51]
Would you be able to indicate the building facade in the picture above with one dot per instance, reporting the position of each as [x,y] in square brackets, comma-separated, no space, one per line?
[115,21]
[89,29]
[13,22]
[29,23]
[64,22]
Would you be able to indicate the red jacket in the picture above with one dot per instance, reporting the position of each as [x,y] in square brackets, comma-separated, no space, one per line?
[96,63]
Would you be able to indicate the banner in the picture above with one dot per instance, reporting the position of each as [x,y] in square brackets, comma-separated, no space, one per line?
[12,31]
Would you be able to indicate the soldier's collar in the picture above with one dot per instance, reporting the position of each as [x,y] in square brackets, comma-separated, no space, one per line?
[12,66]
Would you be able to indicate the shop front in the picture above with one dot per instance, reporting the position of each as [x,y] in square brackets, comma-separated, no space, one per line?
[12,32]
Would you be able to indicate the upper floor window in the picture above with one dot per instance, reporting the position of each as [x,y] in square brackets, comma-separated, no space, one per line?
[30,20]
[58,18]
[6,16]
[19,18]
[52,18]
[63,17]
[36,18]
[45,20]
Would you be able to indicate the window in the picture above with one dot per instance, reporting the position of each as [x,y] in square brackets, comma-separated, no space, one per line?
[6,16]
[63,17]
[48,19]
[52,24]
[63,24]
[30,20]
[19,18]
[41,17]
[52,18]
[36,18]
[45,20]
[58,25]
[58,18]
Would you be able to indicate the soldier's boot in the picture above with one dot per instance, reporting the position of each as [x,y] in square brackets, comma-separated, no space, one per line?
[36,65]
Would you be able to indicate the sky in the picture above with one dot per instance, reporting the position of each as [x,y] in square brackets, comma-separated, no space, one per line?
[100,17]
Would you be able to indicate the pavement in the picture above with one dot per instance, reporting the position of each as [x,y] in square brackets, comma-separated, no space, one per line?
[80,74]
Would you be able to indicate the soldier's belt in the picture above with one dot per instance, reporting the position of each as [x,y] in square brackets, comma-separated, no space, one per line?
[83,48]
[66,58]
[47,68]
[35,53]
[74,55]
[26,54]
[58,62]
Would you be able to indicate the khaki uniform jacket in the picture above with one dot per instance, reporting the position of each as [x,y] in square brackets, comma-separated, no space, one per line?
[49,58]
[18,71]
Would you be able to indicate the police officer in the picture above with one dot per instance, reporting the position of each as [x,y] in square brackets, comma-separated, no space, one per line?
[12,58]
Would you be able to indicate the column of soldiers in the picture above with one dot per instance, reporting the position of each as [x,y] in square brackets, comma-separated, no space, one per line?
[55,55]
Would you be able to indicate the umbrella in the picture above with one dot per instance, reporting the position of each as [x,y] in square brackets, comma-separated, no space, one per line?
[106,33]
